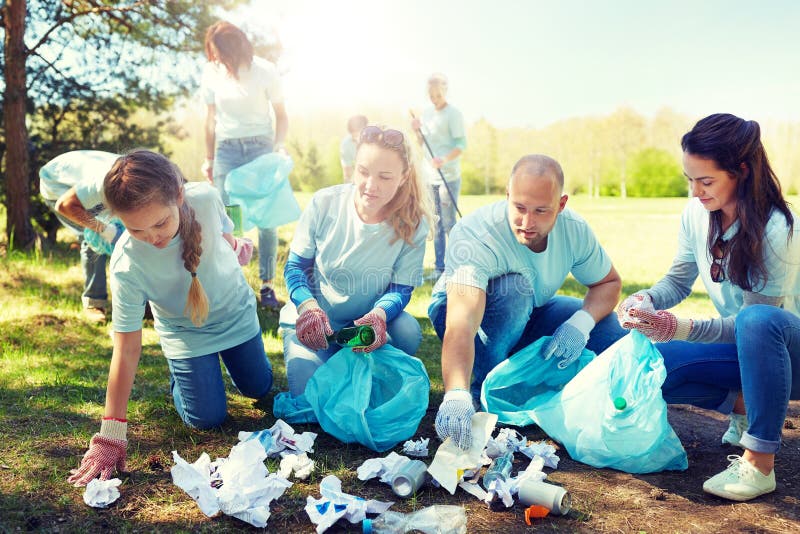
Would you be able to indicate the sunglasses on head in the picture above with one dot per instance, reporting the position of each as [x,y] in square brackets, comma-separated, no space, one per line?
[718,253]
[391,138]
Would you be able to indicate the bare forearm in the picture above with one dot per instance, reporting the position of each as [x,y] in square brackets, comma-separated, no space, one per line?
[458,357]
[71,207]
[601,299]
[124,362]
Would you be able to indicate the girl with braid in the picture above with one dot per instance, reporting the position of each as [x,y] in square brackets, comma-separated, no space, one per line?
[177,256]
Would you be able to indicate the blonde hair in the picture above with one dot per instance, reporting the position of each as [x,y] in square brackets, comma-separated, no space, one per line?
[142,177]
[411,202]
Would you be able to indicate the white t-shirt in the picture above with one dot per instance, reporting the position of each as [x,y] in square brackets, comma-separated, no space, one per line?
[354,262]
[782,259]
[482,246]
[243,105]
[83,169]
[141,272]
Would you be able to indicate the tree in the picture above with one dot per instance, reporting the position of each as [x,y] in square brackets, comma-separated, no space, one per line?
[78,71]
[654,172]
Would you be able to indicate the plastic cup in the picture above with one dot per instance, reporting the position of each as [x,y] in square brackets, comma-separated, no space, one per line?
[409,478]
[234,211]
[554,498]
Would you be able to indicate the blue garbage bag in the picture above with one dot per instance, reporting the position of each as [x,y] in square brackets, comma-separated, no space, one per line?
[293,409]
[376,399]
[261,187]
[582,415]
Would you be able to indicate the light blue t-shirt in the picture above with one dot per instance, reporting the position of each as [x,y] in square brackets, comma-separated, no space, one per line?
[482,246]
[347,152]
[354,262]
[141,272]
[243,105]
[782,259]
[444,130]
[83,169]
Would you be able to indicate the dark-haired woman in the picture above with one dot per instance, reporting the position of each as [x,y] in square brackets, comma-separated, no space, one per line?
[239,89]
[739,235]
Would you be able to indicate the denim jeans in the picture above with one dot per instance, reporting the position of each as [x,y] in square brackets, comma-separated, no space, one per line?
[511,323]
[198,390]
[95,294]
[446,217]
[764,365]
[402,332]
[232,153]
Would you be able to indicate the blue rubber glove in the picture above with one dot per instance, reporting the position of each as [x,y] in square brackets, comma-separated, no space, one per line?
[454,419]
[103,243]
[570,338]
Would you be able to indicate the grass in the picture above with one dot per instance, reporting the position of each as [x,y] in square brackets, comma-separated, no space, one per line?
[54,368]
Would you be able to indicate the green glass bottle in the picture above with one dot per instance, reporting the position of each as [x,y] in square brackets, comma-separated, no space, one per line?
[353,336]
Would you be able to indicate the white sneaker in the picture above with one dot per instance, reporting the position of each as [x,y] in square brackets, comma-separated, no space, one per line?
[741,481]
[737,427]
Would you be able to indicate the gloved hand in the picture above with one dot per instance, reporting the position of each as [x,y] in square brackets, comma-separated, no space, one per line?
[570,338]
[660,326]
[640,299]
[312,326]
[106,452]
[207,170]
[454,418]
[243,247]
[377,320]
[103,242]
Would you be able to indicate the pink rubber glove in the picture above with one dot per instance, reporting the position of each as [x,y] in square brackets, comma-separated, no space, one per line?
[660,326]
[243,248]
[313,327]
[106,453]
[377,320]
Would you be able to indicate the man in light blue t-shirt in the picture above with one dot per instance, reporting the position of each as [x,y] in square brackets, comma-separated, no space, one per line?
[347,148]
[505,263]
[72,186]
[443,128]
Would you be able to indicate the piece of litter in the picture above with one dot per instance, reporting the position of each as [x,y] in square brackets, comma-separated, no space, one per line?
[335,504]
[450,461]
[300,464]
[507,439]
[101,493]
[385,468]
[543,449]
[473,489]
[282,437]
[535,511]
[418,448]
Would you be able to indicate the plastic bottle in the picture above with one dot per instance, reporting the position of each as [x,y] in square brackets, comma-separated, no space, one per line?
[353,336]
[436,519]
[620,403]
[499,469]
[234,211]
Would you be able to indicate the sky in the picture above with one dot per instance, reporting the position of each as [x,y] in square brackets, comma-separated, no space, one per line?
[531,63]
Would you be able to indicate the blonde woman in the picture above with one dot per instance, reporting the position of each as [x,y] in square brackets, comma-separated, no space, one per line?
[356,257]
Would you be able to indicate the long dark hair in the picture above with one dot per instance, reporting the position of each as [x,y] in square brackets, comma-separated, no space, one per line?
[229,45]
[730,142]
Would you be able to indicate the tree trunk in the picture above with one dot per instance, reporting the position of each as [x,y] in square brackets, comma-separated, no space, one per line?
[18,224]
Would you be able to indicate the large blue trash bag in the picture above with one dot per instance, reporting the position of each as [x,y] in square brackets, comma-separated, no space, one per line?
[376,399]
[261,187]
[583,417]
[292,409]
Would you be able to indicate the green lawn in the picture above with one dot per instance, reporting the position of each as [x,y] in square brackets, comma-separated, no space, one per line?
[54,367]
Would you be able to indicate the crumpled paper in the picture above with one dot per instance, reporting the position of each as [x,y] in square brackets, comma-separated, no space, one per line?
[101,493]
[507,439]
[506,489]
[542,449]
[334,504]
[281,437]
[300,464]
[418,448]
[385,468]
[239,485]
[450,461]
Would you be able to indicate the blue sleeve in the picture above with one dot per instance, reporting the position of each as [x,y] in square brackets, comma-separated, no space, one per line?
[394,300]
[460,142]
[294,273]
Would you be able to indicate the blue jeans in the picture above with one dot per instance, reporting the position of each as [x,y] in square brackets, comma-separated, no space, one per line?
[511,323]
[232,153]
[764,365]
[198,390]
[95,294]
[402,332]
[446,217]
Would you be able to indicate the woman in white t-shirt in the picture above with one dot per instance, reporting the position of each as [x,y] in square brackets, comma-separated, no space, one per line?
[176,254]
[239,89]
[740,236]
[356,256]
